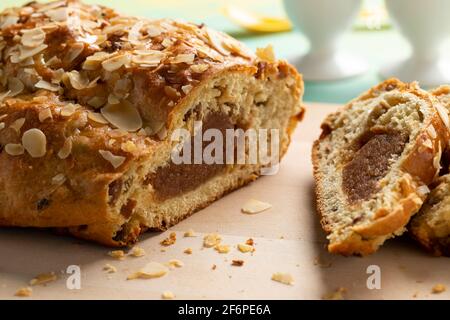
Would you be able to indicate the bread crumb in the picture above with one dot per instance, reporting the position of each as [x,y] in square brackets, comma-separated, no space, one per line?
[24,292]
[109,268]
[322,264]
[175,263]
[214,267]
[137,252]
[168,295]
[222,248]
[170,240]
[336,295]
[188,251]
[150,271]
[237,263]
[211,240]
[43,278]
[284,278]
[190,233]
[250,242]
[255,206]
[439,288]
[244,248]
[117,254]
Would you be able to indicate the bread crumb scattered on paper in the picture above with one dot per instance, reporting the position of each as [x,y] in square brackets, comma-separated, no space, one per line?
[318,261]
[117,254]
[237,263]
[24,292]
[222,248]
[169,240]
[137,252]
[43,278]
[336,295]
[439,288]
[244,248]
[190,233]
[188,251]
[109,268]
[214,267]
[168,295]
[150,271]
[250,242]
[211,240]
[284,278]
[255,206]
[175,263]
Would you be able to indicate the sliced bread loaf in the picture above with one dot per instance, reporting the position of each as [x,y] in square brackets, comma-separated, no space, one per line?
[373,162]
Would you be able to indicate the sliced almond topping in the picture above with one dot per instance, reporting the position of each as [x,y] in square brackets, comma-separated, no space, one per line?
[190,233]
[109,268]
[244,248]
[59,179]
[2,125]
[78,81]
[284,278]
[8,21]
[216,41]
[26,52]
[66,149]
[154,31]
[33,37]
[35,142]
[117,254]
[42,84]
[168,295]
[116,62]
[266,54]
[69,109]
[443,115]
[423,190]
[58,15]
[211,240]
[432,132]
[24,292]
[123,116]
[93,62]
[137,252]
[116,161]
[184,58]
[97,117]
[186,89]
[148,57]
[199,68]
[4,95]
[255,206]
[150,271]
[14,149]
[222,248]
[43,278]
[112,99]
[167,42]
[15,86]
[427,143]
[75,50]
[17,124]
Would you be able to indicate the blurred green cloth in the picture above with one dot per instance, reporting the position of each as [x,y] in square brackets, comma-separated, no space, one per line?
[378,47]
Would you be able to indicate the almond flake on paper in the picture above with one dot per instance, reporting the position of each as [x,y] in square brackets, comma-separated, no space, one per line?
[175,263]
[439,288]
[244,248]
[43,278]
[150,271]
[117,254]
[222,248]
[255,206]
[284,278]
[137,252]
[167,295]
[109,268]
[211,240]
[24,292]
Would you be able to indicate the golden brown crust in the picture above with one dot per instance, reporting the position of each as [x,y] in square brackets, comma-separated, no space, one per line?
[419,168]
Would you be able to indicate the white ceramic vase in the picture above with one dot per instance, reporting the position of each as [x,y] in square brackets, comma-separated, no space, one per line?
[324,22]
[426,25]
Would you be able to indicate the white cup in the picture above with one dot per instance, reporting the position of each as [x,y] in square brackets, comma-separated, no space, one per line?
[324,22]
[426,25]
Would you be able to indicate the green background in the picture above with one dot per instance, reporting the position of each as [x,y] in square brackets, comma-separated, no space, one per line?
[378,47]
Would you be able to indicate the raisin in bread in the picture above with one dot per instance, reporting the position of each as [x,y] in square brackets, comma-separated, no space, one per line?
[373,162]
[431,226]
[90,100]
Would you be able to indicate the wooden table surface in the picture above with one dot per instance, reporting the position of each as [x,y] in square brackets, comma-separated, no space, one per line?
[288,239]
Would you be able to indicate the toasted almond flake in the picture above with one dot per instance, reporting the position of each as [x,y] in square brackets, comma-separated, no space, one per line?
[57,15]
[216,41]
[97,102]
[150,271]
[123,116]
[24,292]
[168,295]
[14,149]
[154,31]
[190,233]
[97,117]
[167,42]
[69,109]
[162,133]
[109,268]
[266,54]
[237,263]
[148,57]
[336,295]
[134,34]
[43,278]
[284,278]
[432,132]
[17,124]
[129,147]
[75,50]
[187,58]
[427,143]
[211,240]
[199,68]
[93,62]
[244,248]
[15,86]
[33,37]
[112,99]
[175,263]
[222,248]
[2,125]
[116,62]
[66,149]
[51,5]
[59,179]
[439,288]
[35,143]
[443,115]
[137,252]
[255,206]
[186,89]
[26,52]
[116,161]
[117,254]
[4,95]
[78,81]
[188,251]
[8,21]
[42,84]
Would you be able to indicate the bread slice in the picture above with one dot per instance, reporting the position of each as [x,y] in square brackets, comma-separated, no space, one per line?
[431,226]
[373,162]
[92,104]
